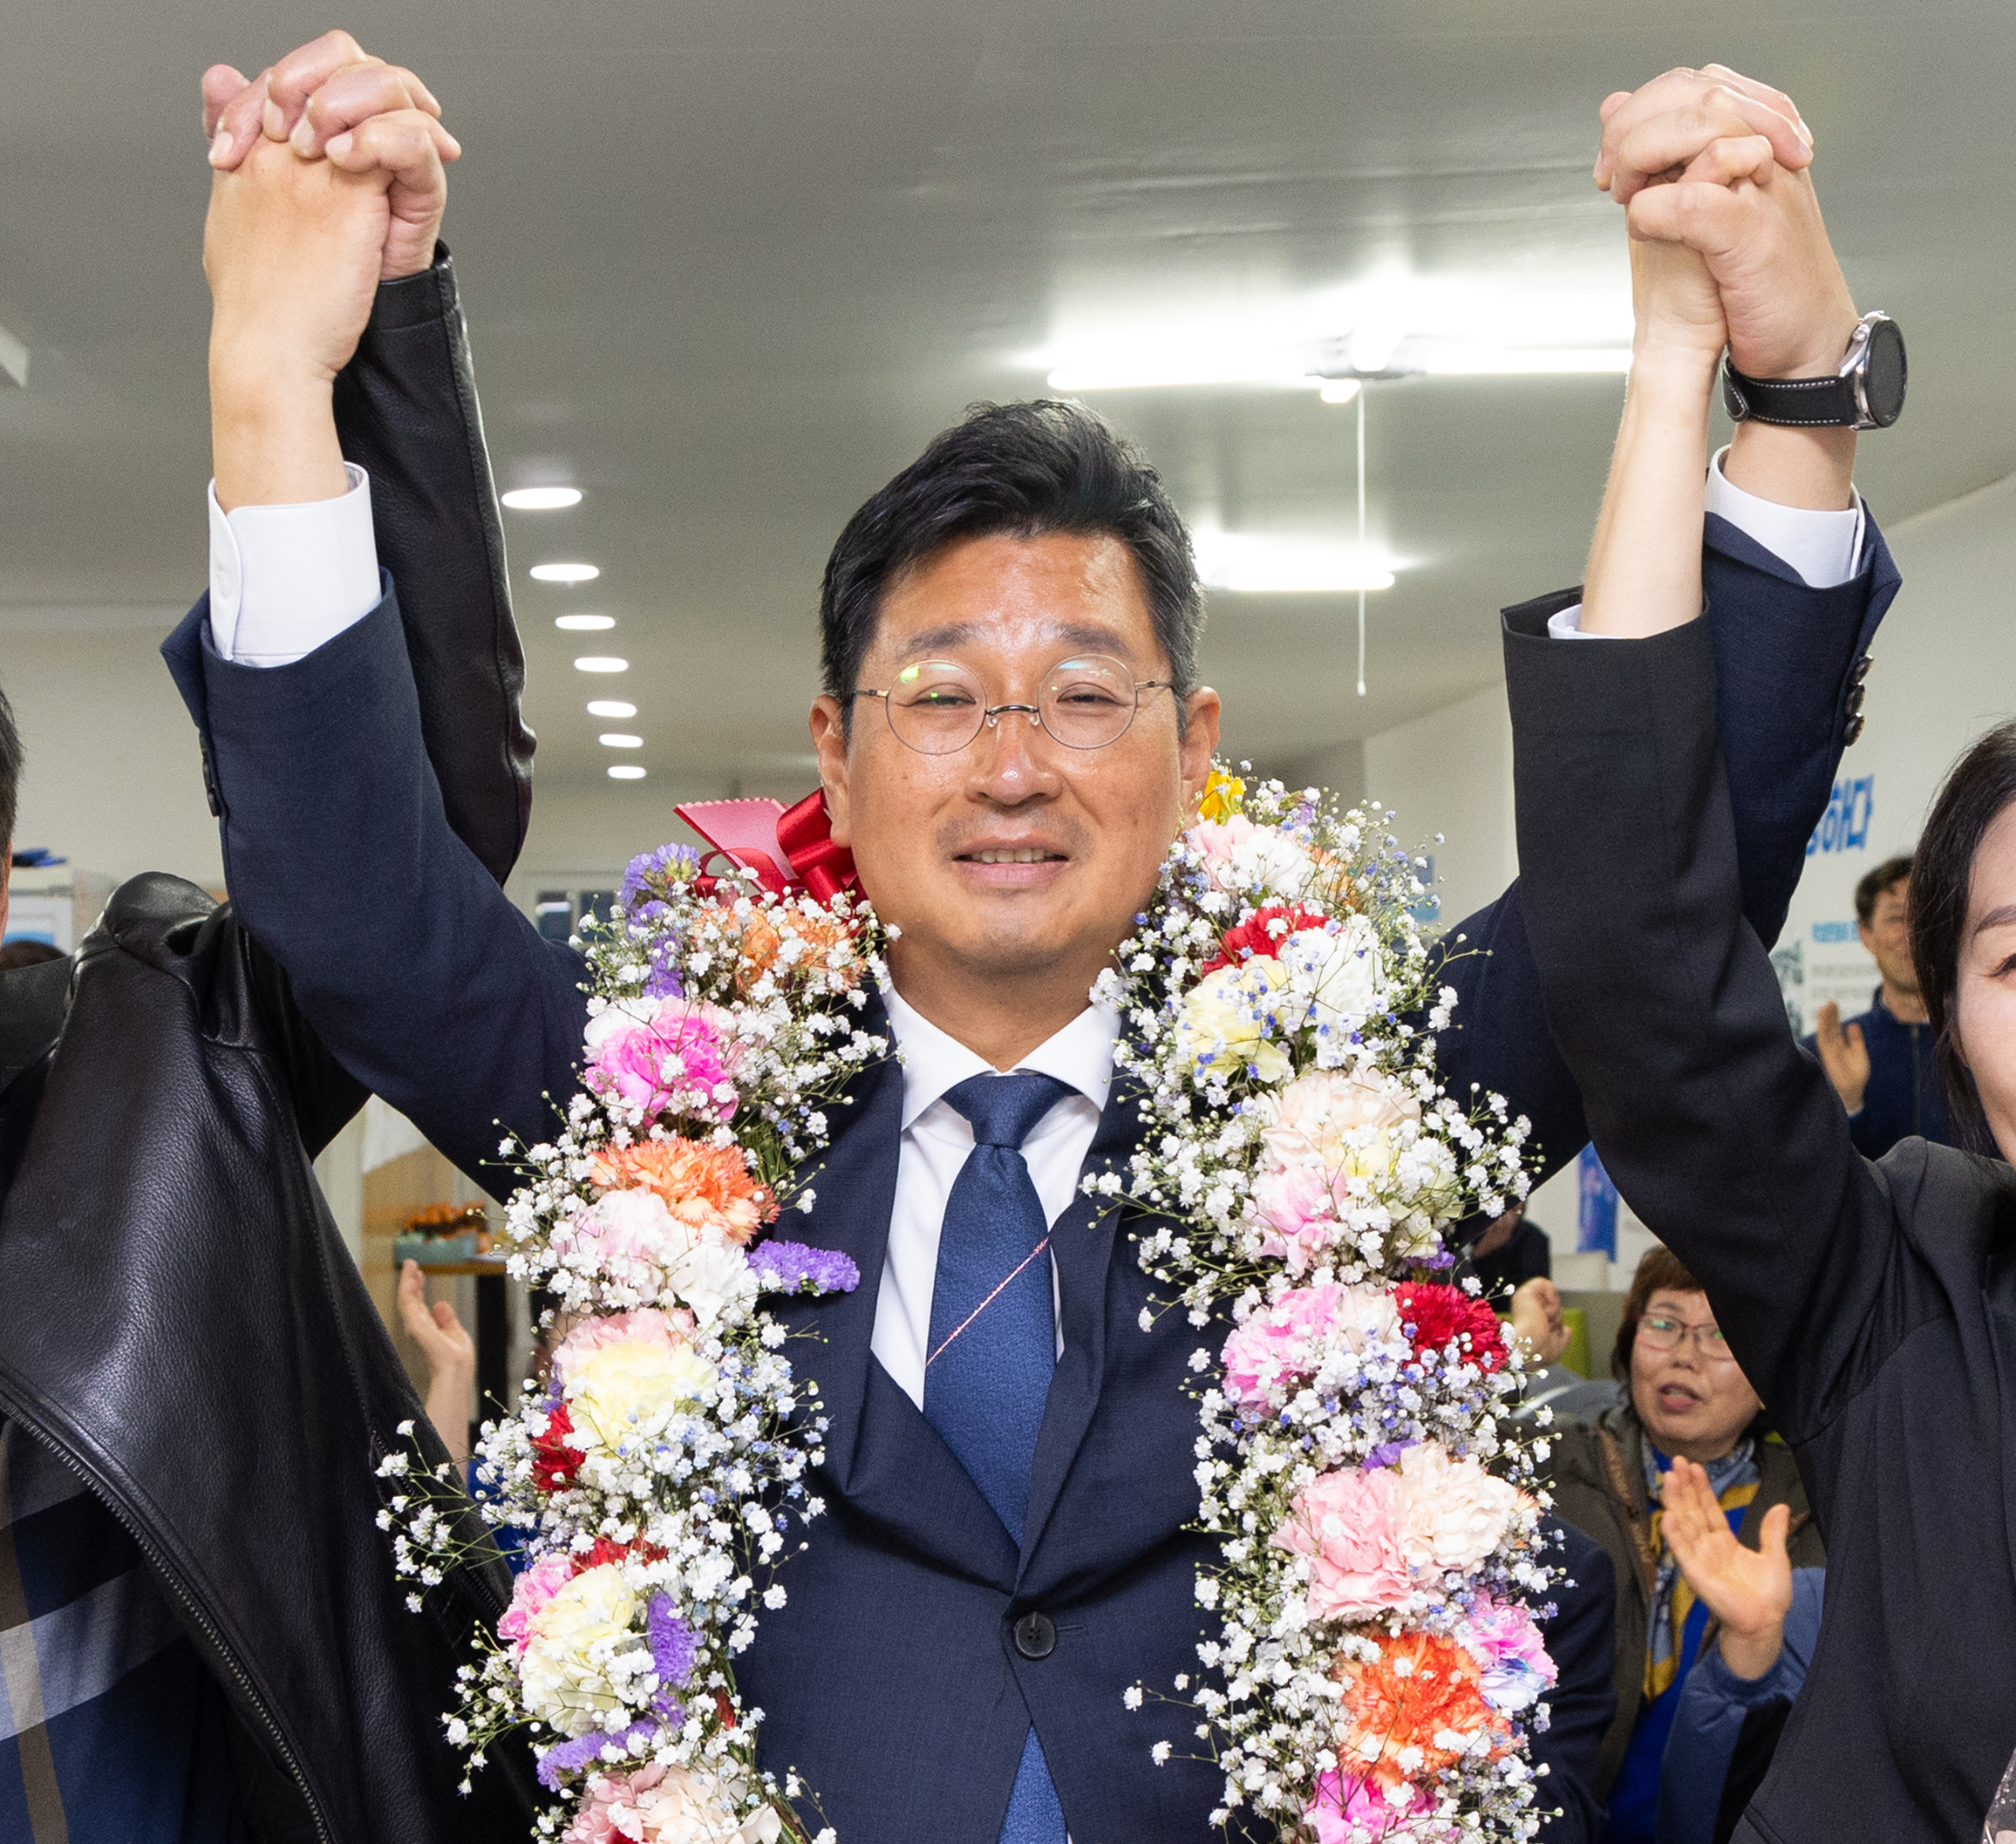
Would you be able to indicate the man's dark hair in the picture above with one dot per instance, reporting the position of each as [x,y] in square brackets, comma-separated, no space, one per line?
[10,776]
[1877,885]
[1981,785]
[1022,470]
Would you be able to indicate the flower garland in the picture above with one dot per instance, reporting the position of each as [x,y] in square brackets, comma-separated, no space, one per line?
[1375,1673]
[666,1461]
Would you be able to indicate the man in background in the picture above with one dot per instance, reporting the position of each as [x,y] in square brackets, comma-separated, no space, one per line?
[1882,1065]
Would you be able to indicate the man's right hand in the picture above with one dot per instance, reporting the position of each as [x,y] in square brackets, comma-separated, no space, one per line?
[1844,1056]
[328,178]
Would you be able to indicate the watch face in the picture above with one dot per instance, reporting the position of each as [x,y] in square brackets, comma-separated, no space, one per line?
[1884,373]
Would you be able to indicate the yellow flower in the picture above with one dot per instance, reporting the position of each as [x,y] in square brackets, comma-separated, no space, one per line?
[1217,1020]
[1222,797]
[570,1644]
[625,1388]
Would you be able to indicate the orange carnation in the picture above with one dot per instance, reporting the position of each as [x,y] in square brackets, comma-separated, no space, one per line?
[759,941]
[708,1187]
[1420,1686]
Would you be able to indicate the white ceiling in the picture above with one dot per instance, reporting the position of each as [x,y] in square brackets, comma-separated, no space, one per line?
[730,262]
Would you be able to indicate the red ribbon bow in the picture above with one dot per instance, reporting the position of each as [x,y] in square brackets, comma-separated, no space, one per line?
[788,848]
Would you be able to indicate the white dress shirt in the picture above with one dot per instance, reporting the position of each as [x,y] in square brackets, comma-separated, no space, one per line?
[936,1139]
[284,579]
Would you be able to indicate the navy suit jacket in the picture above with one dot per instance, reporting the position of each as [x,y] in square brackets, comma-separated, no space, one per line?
[890,1679]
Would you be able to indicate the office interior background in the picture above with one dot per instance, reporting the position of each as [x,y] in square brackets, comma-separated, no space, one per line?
[729,264]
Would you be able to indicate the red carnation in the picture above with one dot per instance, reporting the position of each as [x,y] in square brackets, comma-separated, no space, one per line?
[1439,1316]
[554,1463]
[1254,936]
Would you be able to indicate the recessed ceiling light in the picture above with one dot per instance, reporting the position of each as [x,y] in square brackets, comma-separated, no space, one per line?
[583,624]
[610,707]
[617,739]
[626,772]
[601,662]
[541,499]
[564,573]
[1257,564]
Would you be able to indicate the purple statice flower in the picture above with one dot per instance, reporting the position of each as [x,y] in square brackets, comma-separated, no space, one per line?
[1388,1455]
[674,1644]
[798,1268]
[650,872]
[566,1757]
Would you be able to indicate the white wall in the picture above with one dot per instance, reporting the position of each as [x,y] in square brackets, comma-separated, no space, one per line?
[1451,772]
[1944,670]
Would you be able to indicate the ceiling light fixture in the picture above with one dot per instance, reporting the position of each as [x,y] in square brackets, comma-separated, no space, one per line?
[564,573]
[601,662]
[617,739]
[1251,563]
[583,624]
[626,772]
[1390,323]
[609,707]
[543,498]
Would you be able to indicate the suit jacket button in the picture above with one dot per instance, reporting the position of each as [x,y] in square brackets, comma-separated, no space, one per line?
[1854,728]
[1035,1637]
[1861,670]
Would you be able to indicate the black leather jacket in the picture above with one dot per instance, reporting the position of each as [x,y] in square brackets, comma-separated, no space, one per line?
[178,1319]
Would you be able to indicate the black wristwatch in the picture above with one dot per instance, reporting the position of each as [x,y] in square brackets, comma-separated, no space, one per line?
[1867,393]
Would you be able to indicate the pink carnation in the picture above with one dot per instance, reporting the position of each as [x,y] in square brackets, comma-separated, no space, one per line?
[1345,1523]
[1297,1204]
[1268,1356]
[677,1057]
[530,1592]
[1347,1810]
[1504,1638]
[650,1324]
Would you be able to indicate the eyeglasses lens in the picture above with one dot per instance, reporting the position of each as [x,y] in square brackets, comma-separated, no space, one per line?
[1664,1335]
[935,707]
[1088,703]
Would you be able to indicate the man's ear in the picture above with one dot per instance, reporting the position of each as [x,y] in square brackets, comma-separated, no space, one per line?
[1200,741]
[1867,938]
[830,740]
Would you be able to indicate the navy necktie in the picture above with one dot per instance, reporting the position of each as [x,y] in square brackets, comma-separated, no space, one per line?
[993,1344]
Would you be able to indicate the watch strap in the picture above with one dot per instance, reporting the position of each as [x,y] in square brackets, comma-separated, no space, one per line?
[1799,403]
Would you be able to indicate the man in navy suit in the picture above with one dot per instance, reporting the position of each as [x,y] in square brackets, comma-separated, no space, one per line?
[951,1662]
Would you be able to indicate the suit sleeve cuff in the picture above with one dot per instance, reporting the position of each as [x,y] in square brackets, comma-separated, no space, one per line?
[285,579]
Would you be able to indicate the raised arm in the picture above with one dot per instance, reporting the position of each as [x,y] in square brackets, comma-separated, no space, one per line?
[1794,578]
[1725,1138]
[371,788]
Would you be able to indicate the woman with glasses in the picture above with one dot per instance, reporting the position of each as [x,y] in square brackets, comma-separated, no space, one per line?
[1685,1399]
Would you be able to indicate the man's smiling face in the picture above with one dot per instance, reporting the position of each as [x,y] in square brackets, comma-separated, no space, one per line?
[1015,861]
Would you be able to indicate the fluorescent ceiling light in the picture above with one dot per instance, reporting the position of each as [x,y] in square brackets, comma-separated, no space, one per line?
[541,499]
[601,662]
[1391,324]
[1339,390]
[610,707]
[564,573]
[1254,564]
[617,739]
[1474,361]
[626,772]
[583,624]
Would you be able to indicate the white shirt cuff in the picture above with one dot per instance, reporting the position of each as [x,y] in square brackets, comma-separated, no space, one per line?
[1824,548]
[284,579]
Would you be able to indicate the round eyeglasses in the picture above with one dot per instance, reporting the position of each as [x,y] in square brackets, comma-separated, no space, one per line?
[1658,1333]
[938,707]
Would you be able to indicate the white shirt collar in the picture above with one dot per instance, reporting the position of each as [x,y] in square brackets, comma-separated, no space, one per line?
[934,1061]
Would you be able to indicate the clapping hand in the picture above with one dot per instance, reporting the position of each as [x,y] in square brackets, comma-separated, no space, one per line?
[450,1355]
[1536,1316]
[1843,1055]
[1749,1591]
